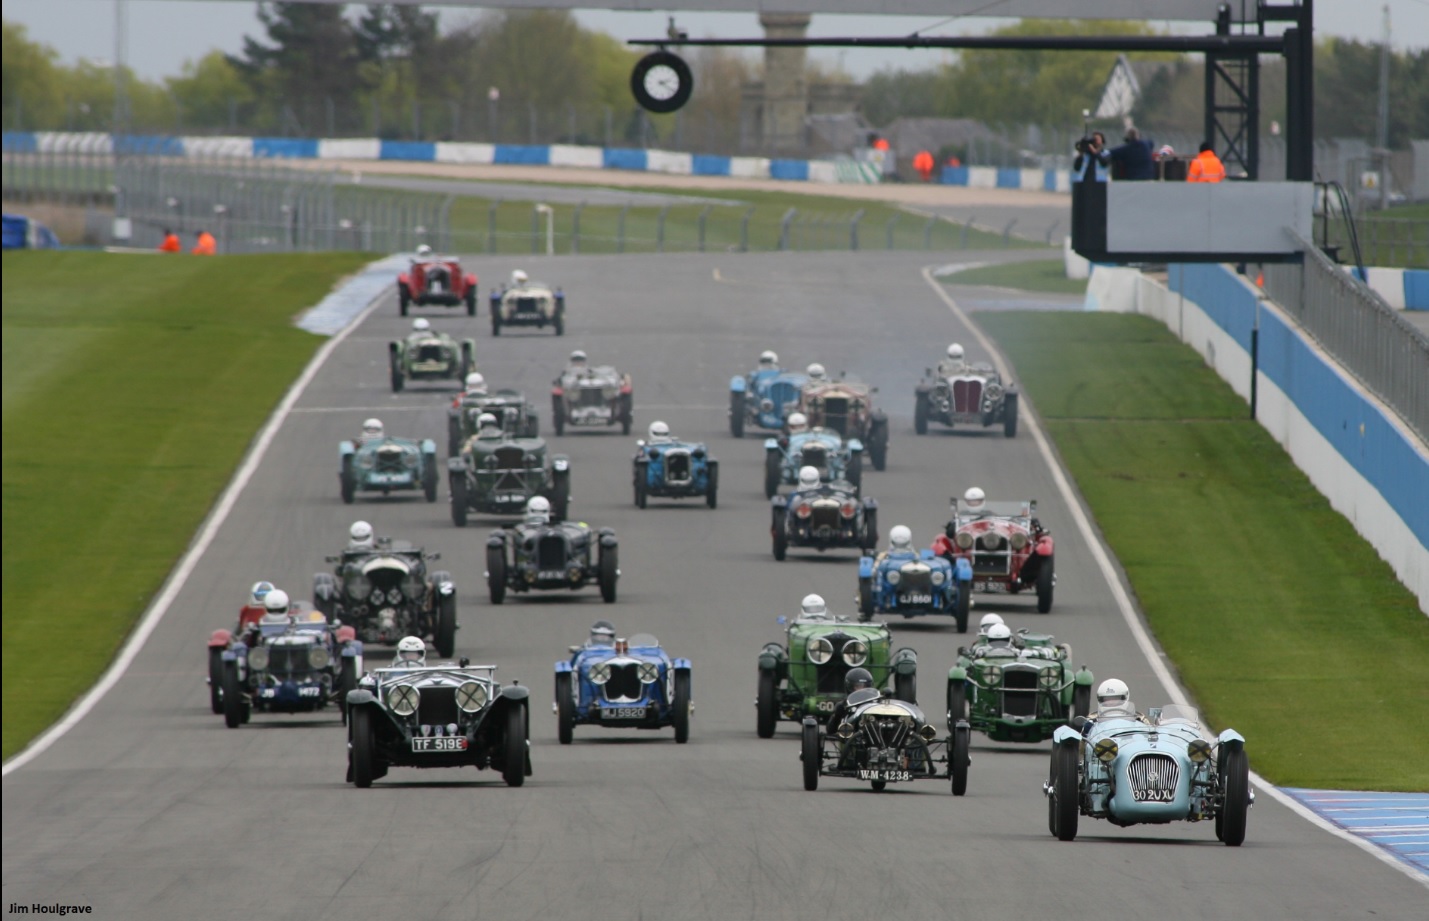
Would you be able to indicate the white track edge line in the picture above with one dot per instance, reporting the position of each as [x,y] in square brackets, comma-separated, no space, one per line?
[1128,611]
[179,576]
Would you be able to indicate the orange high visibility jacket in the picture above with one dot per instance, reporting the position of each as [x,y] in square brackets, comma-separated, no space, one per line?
[171,244]
[206,245]
[1207,167]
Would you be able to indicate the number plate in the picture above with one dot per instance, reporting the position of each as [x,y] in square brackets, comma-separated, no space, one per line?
[439,744]
[885,776]
[915,598]
[994,587]
[1153,796]
[423,367]
[502,497]
[622,713]
[550,574]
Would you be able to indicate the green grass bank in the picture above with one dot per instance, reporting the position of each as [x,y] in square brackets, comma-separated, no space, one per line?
[1049,275]
[131,387]
[1280,619]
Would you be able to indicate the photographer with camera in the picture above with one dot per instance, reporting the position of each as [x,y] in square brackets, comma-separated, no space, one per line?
[1090,150]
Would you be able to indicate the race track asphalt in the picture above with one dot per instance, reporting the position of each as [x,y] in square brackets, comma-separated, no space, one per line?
[150,809]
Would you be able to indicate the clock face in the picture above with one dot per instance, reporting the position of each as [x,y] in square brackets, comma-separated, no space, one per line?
[662,82]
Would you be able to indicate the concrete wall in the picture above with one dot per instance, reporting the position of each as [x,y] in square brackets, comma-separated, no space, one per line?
[1356,452]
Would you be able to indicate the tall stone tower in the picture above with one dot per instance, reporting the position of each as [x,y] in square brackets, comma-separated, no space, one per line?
[786,92]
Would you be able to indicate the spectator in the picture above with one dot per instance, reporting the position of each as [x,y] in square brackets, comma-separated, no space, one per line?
[1090,150]
[205,244]
[171,242]
[1207,167]
[923,163]
[1132,160]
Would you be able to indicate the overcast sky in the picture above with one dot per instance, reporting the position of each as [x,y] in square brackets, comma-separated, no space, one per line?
[165,33]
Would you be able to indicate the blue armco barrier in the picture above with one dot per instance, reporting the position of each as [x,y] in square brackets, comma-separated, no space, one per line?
[1009,178]
[624,158]
[424,151]
[709,165]
[148,145]
[955,175]
[1049,180]
[1416,289]
[288,148]
[19,142]
[797,170]
[1343,416]
[522,154]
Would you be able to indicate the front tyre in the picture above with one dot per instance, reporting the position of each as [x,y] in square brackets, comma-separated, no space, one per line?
[459,506]
[232,696]
[957,703]
[1235,804]
[773,472]
[920,414]
[496,574]
[565,709]
[1009,415]
[513,769]
[445,636]
[767,704]
[682,707]
[609,573]
[642,480]
[1082,700]
[965,603]
[1062,804]
[736,414]
[364,748]
[865,600]
[959,757]
[348,480]
[215,680]
[429,477]
[1046,582]
[811,753]
[905,688]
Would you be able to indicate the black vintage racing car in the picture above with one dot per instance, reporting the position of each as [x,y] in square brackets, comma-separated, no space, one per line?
[551,557]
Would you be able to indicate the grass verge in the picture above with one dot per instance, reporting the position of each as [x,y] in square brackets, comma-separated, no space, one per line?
[131,387]
[1281,620]
[1048,275]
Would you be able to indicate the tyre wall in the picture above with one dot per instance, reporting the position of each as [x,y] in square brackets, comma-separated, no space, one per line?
[1372,469]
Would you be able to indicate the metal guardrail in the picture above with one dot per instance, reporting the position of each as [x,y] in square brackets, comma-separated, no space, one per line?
[1370,340]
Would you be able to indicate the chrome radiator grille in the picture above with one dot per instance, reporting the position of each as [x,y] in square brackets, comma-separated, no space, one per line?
[1153,778]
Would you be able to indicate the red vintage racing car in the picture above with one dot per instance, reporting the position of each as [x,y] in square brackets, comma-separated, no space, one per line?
[1009,549]
[436,280]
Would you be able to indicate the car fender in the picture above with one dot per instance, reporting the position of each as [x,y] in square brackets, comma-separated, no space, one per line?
[1083,677]
[237,652]
[345,448]
[497,539]
[1066,735]
[772,444]
[878,417]
[560,463]
[470,278]
[779,502]
[771,657]
[360,696]
[219,639]
[905,661]
[957,674]
[515,692]
[923,388]
[681,665]
[962,570]
[1230,740]
[738,385]
[446,587]
[403,278]
[428,446]
[456,465]
[608,540]
[865,567]
[870,504]
[563,667]
[1043,547]
[855,446]
[394,348]
[347,636]
[470,345]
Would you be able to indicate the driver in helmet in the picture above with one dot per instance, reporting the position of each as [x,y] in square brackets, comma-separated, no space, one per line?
[813,608]
[996,642]
[768,360]
[424,253]
[421,327]
[411,653]
[276,606]
[975,502]
[538,511]
[519,278]
[253,611]
[1114,701]
[808,479]
[857,679]
[816,373]
[659,433]
[798,423]
[577,362]
[954,363]
[371,431]
[359,536]
[900,540]
[602,633]
[988,622]
[488,427]
[475,384]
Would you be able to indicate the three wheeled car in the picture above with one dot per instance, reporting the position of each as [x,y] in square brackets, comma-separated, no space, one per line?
[296,662]
[1160,768]
[672,469]
[437,281]
[1006,545]
[387,464]
[846,407]
[974,394]
[804,675]
[627,684]
[883,740]
[385,593]
[1020,691]
[553,556]
[592,396]
[451,715]
[914,584]
[827,516]
[427,355]
[824,450]
[497,475]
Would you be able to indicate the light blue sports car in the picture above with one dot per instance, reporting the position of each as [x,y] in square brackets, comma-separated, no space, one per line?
[384,464]
[825,451]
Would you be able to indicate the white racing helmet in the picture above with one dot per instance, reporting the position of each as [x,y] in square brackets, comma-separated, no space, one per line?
[411,652]
[900,537]
[372,428]
[768,358]
[519,278]
[659,431]
[276,602]
[360,534]
[798,422]
[999,635]
[1113,694]
[424,251]
[602,633]
[808,477]
[538,510]
[487,421]
[955,352]
[421,325]
[814,606]
[578,357]
[816,372]
[975,500]
[475,382]
[988,621]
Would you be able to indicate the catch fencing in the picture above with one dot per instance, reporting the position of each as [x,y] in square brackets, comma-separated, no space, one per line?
[1370,339]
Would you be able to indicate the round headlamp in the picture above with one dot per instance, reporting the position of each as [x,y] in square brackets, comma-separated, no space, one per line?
[409,459]
[766,406]
[855,653]
[1019,540]
[820,650]
[319,657]
[1105,750]
[367,460]
[649,672]
[964,540]
[849,509]
[845,730]
[939,577]
[403,699]
[258,658]
[599,673]
[471,696]
[358,585]
[1199,750]
[929,732]
[377,596]
[894,577]
[991,540]
[804,510]
[1049,677]
[992,675]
